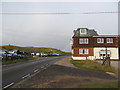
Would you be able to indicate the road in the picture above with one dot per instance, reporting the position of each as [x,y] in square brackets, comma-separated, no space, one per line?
[14,73]
[63,74]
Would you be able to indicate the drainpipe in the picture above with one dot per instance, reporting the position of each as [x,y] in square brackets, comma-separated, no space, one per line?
[107,59]
[106,52]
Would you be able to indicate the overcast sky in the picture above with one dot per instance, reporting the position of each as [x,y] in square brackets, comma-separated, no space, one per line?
[51,24]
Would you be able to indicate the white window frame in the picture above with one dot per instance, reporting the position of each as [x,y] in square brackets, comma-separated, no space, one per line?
[109,40]
[83,51]
[83,31]
[83,41]
[72,51]
[100,40]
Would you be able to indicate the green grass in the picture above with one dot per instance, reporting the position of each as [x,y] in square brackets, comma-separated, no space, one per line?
[112,84]
[18,60]
[34,49]
[88,64]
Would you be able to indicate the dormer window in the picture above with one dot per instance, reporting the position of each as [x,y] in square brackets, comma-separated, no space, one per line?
[83,31]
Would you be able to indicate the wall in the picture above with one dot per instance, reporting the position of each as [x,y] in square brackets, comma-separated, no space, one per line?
[94,53]
[93,42]
[114,52]
[83,58]
[76,52]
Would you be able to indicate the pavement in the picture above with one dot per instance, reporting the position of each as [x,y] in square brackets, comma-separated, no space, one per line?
[62,74]
[14,73]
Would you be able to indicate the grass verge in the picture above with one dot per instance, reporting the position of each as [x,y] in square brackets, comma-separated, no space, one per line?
[112,84]
[18,60]
[93,65]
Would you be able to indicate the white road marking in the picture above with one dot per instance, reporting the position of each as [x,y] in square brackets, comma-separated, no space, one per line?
[36,70]
[113,74]
[25,76]
[42,67]
[8,85]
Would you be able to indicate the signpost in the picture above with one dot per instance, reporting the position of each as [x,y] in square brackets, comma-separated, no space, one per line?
[106,60]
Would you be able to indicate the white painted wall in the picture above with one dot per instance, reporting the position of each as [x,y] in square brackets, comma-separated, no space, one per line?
[72,51]
[114,52]
[84,58]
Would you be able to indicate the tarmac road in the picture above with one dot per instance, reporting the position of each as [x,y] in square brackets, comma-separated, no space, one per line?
[14,73]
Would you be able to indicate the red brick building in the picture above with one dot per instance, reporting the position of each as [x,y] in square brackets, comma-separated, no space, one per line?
[87,44]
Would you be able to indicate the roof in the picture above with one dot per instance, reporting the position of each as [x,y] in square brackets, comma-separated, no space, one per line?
[90,32]
[107,36]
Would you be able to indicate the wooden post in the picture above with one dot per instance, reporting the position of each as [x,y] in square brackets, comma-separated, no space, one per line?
[106,59]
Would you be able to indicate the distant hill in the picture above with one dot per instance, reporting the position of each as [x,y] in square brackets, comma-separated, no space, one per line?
[35,49]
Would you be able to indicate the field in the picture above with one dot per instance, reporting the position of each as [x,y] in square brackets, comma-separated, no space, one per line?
[35,49]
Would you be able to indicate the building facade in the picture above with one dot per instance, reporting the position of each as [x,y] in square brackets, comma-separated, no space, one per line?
[88,45]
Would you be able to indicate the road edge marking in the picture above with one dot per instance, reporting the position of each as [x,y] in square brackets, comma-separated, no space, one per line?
[36,70]
[7,85]
[112,74]
[25,76]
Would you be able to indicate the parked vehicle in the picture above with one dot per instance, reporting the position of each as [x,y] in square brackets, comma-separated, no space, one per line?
[20,52]
[56,54]
[11,55]
[33,53]
[44,54]
[21,56]
[49,54]
[37,54]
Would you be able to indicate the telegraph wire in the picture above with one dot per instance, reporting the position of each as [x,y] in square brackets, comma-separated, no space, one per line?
[57,13]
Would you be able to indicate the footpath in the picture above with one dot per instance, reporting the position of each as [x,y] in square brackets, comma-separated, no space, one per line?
[63,74]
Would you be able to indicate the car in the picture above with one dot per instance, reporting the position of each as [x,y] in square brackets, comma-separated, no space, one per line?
[20,56]
[37,54]
[44,54]
[32,53]
[56,54]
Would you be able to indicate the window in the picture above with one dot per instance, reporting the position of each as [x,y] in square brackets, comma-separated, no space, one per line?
[83,51]
[83,40]
[82,31]
[109,40]
[103,53]
[100,40]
